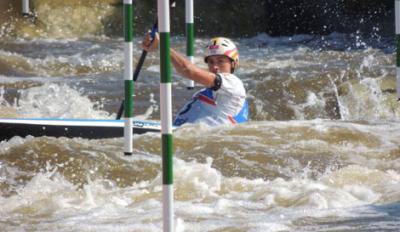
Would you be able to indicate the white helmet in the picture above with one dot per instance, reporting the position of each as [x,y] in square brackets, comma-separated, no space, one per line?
[222,46]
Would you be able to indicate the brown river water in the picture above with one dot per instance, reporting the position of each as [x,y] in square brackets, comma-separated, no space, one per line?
[320,153]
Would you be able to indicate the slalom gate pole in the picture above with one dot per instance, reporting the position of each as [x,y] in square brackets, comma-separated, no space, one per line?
[397,13]
[137,69]
[166,114]
[25,7]
[189,36]
[128,71]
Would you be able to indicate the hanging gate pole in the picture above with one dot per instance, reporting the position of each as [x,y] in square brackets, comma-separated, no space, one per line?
[189,36]
[166,114]
[128,72]
[397,22]
[25,7]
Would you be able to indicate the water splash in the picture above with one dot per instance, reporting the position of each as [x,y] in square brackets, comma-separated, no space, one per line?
[57,101]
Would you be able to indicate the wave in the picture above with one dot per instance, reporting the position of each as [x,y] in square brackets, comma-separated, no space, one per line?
[339,170]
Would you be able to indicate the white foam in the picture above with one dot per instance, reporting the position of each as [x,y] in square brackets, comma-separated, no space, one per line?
[58,101]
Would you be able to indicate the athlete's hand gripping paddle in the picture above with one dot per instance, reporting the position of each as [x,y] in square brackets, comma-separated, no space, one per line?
[144,53]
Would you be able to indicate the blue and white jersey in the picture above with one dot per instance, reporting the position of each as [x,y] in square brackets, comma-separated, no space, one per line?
[227,105]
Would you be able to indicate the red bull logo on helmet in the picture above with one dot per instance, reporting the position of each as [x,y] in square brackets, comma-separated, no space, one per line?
[214,47]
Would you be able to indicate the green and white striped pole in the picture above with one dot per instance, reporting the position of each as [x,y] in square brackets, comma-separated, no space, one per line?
[166,114]
[189,36]
[397,13]
[128,72]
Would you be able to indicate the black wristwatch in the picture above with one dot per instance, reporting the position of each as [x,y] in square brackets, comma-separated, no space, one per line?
[217,82]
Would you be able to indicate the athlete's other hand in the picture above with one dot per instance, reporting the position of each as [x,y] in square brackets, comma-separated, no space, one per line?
[150,44]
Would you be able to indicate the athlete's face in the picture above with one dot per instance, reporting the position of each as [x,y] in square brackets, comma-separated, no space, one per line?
[219,64]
